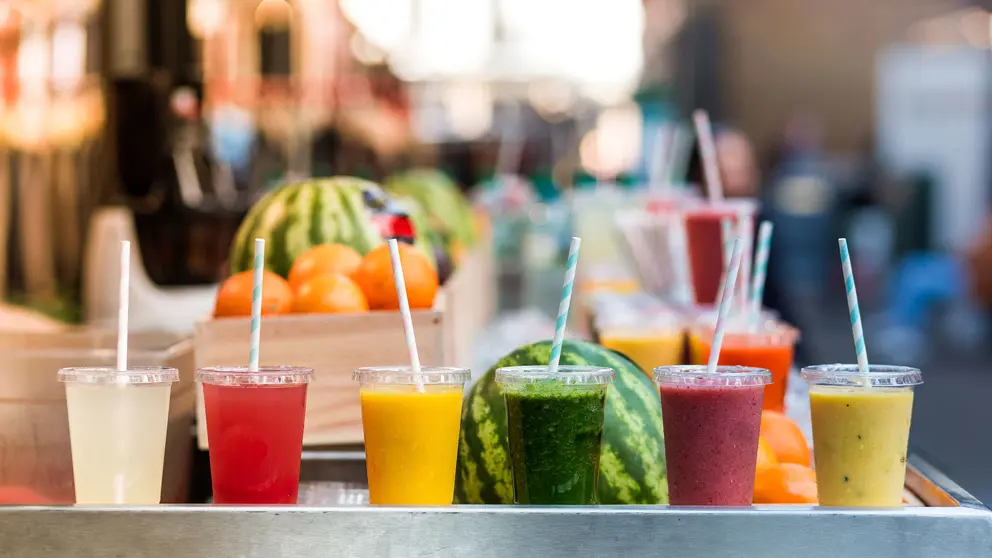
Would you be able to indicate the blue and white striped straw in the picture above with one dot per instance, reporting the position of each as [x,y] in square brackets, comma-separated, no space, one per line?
[566,299]
[745,230]
[256,304]
[760,272]
[855,311]
[725,304]
[727,238]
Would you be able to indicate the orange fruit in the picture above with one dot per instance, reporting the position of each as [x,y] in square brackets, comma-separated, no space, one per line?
[324,259]
[766,457]
[785,483]
[785,438]
[234,296]
[375,277]
[330,294]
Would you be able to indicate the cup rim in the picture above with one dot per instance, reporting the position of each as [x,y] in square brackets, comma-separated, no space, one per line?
[105,375]
[849,375]
[244,376]
[699,375]
[567,374]
[403,375]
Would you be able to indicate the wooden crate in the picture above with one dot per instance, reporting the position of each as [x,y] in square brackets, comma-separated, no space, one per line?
[334,345]
[34,429]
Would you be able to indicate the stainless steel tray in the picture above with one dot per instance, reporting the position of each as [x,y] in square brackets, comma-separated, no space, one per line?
[952,524]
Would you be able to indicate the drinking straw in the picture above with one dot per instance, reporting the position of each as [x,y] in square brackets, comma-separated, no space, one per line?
[679,152]
[256,304]
[855,311]
[566,299]
[727,246]
[725,303]
[745,224]
[123,304]
[760,272]
[660,159]
[679,250]
[411,340]
[707,148]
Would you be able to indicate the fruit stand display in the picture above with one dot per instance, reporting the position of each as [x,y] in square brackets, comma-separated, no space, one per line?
[329,301]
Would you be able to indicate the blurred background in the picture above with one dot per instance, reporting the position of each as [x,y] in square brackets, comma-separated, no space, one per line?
[167,119]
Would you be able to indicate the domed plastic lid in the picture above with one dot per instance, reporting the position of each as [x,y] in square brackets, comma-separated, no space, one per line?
[105,375]
[849,375]
[566,375]
[701,376]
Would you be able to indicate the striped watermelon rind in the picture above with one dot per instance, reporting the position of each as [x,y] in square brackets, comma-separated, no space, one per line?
[632,464]
[297,216]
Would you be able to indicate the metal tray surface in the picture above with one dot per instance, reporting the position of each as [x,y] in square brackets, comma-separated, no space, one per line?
[953,524]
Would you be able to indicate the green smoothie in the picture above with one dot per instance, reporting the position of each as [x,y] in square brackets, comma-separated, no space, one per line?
[555,430]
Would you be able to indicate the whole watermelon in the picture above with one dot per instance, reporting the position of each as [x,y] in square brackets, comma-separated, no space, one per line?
[632,466]
[297,216]
[448,210]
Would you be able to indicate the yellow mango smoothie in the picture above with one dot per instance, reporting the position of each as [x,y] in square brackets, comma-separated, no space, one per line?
[861,433]
[411,433]
[648,348]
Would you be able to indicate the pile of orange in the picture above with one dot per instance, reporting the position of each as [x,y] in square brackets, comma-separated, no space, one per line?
[783,474]
[334,279]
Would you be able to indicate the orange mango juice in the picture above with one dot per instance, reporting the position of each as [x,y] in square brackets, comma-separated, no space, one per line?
[648,349]
[411,442]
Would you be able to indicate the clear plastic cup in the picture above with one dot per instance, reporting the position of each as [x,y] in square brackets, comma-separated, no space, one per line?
[117,429]
[705,241]
[648,339]
[712,421]
[555,430]
[255,423]
[771,346]
[861,432]
[411,424]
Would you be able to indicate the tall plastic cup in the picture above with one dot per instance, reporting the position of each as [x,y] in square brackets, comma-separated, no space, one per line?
[255,425]
[649,341]
[861,432]
[555,430]
[705,242]
[117,426]
[771,346]
[411,436]
[711,421]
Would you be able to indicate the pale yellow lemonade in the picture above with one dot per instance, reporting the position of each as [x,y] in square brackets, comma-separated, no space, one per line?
[860,436]
[117,433]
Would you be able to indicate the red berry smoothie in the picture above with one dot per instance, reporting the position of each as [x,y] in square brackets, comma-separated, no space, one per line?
[705,242]
[711,424]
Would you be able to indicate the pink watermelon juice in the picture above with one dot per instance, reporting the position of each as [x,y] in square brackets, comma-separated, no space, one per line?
[255,432]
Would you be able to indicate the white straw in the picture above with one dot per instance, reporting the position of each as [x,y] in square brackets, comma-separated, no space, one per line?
[411,340]
[745,224]
[728,295]
[707,148]
[678,154]
[123,305]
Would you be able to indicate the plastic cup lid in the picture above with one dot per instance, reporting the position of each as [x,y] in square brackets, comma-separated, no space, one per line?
[105,375]
[403,375]
[244,376]
[849,375]
[566,375]
[700,376]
